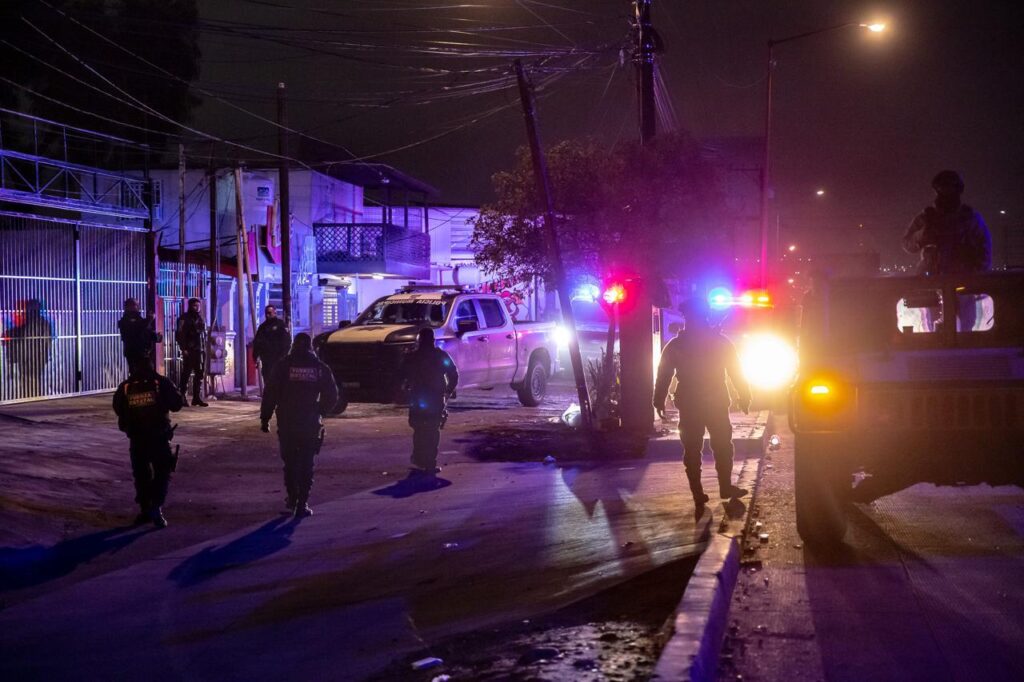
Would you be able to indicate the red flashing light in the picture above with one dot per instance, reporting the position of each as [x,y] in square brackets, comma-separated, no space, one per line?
[614,294]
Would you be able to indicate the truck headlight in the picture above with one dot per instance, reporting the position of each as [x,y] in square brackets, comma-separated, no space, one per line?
[768,361]
[562,336]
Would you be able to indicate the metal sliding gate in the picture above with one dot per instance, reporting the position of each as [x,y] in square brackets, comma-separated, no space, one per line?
[62,285]
[173,299]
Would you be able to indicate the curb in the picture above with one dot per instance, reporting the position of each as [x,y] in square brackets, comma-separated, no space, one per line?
[701,618]
[691,653]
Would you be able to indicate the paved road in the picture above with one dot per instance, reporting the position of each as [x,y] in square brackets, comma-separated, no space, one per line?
[382,570]
[928,587]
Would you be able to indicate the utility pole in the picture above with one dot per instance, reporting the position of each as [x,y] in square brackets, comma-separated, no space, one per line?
[152,265]
[540,171]
[214,246]
[635,324]
[285,219]
[241,357]
[181,226]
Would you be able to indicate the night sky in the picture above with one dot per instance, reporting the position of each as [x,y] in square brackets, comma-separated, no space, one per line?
[869,118]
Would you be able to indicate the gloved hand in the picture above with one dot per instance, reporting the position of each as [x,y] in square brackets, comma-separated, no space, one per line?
[265,427]
[661,412]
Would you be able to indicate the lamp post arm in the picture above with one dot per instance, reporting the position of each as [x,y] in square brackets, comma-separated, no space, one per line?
[815,32]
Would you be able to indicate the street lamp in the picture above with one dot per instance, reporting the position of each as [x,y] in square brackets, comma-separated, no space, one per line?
[876,27]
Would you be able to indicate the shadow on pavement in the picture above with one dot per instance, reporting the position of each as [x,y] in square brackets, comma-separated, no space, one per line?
[531,443]
[29,566]
[413,484]
[271,537]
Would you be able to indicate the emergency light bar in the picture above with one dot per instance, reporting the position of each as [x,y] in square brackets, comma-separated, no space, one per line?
[721,298]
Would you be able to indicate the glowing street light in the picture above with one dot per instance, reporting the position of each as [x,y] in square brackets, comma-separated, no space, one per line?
[820,192]
[876,27]
[792,248]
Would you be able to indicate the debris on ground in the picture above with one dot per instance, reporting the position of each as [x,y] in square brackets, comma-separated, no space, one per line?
[572,416]
[427,663]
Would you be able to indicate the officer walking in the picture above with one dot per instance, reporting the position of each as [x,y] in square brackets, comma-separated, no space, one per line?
[271,342]
[190,334]
[302,391]
[138,334]
[700,358]
[431,376]
[142,403]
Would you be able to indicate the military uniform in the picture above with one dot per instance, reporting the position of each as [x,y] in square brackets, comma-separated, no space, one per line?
[142,403]
[302,391]
[699,358]
[190,334]
[961,240]
[270,344]
[138,335]
[431,376]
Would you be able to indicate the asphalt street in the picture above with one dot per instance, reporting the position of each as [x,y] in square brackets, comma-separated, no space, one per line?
[382,571]
[926,587]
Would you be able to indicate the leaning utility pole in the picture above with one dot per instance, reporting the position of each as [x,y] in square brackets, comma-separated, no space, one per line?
[214,246]
[285,219]
[540,171]
[241,356]
[635,324]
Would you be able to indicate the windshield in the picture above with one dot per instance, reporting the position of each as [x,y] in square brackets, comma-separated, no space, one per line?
[387,311]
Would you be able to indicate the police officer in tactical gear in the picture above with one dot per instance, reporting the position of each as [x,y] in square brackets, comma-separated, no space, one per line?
[138,334]
[302,391]
[190,334]
[700,357]
[431,377]
[271,343]
[142,403]
[950,236]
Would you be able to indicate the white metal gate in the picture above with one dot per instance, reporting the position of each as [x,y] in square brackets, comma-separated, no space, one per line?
[62,285]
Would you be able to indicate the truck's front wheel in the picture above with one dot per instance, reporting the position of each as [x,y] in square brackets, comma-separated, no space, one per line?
[822,479]
[535,385]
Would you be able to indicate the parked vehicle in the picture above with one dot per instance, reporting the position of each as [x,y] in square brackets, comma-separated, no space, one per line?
[488,348]
[906,380]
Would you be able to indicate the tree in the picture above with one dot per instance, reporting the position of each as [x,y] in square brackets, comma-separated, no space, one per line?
[654,209]
[164,32]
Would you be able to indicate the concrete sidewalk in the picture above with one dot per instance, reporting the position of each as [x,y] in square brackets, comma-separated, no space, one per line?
[371,576]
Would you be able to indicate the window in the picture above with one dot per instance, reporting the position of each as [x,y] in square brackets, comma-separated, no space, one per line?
[920,312]
[974,312]
[493,316]
[405,312]
[465,311]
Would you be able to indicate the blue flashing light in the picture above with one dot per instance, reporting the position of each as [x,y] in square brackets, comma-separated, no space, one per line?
[719,298]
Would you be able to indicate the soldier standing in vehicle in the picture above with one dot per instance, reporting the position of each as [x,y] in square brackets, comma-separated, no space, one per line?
[952,238]
[138,334]
[271,342]
[142,404]
[700,357]
[302,391]
[190,334]
[431,376]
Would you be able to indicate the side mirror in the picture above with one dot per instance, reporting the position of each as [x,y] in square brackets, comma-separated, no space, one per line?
[344,323]
[463,326]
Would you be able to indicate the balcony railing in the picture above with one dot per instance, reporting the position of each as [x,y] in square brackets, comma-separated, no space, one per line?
[371,248]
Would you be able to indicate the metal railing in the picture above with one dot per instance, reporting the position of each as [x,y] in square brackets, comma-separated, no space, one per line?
[368,248]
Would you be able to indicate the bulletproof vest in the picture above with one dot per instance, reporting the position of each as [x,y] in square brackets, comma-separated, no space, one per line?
[145,412]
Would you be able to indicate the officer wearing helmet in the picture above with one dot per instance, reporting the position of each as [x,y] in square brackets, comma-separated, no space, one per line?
[431,376]
[138,334]
[302,391]
[142,403]
[950,236]
[700,358]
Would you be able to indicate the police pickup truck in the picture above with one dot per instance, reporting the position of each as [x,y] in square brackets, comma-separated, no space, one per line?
[906,380]
[488,348]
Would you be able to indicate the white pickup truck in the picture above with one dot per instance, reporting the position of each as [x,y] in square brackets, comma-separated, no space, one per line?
[488,348]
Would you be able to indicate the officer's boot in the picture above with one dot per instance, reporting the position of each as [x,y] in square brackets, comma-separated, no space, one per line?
[143,516]
[157,515]
[697,489]
[726,488]
[197,392]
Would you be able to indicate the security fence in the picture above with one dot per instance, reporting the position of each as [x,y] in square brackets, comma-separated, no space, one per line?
[62,286]
[173,298]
